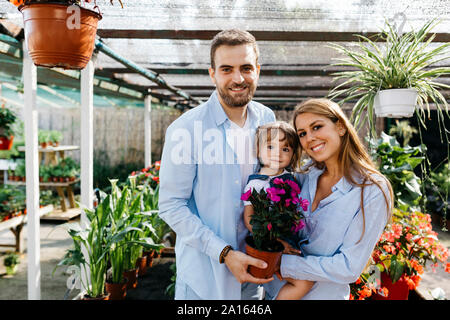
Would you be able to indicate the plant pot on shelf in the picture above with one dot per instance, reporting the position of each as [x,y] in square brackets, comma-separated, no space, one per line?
[44,145]
[68,45]
[103,297]
[396,291]
[395,103]
[6,143]
[271,258]
[131,276]
[141,265]
[117,291]
[149,255]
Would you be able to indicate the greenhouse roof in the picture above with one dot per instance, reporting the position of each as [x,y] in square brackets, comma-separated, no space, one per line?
[172,39]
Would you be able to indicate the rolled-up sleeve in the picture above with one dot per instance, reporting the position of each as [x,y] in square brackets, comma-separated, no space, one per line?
[347,263]
[176,187]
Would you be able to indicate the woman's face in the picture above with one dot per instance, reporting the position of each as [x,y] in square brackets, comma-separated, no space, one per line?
[319,136]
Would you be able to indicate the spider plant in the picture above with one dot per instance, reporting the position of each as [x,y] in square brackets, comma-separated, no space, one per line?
[405,62]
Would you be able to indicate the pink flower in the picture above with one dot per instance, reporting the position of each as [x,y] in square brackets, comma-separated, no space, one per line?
[272,194]
[299,225]
[287,202]
[294,186]
[269,226]
[278,181]
[245,196]
[304,203]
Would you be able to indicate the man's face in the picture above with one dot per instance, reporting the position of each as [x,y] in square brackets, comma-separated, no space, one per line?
[235,75]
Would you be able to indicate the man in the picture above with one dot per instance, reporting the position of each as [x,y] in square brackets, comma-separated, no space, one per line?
[203,173]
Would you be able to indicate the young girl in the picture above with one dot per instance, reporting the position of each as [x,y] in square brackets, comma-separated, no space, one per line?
[277,149]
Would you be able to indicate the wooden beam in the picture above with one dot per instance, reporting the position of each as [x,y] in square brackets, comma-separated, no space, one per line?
[259,35]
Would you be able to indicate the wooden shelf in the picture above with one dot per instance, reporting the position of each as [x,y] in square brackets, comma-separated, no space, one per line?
[53,149]
[45,184]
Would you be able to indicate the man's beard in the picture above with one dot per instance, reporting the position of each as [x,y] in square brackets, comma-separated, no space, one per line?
[239,101]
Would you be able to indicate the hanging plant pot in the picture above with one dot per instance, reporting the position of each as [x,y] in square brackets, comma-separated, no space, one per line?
[272,259]
[6,143]
[55,38]
[395,103]
[396,291]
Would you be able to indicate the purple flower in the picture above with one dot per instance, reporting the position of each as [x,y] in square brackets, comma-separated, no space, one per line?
[287,202]
[246,196]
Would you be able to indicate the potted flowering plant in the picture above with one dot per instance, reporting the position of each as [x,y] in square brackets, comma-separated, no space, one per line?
[59,33]
[401,255]
[7,119]
[277,215]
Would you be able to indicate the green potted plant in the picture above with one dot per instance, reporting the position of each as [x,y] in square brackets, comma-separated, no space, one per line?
[395,81]
[71,43]
[276,216]
[7,119]
[20,170]
[397,163]
[55,137]
[11,263]
[43,138]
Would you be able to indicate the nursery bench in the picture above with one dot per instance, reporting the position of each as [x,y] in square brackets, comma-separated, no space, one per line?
[16,225]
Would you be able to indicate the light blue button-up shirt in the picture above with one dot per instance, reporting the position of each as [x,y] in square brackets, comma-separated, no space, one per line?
[199,197]
[333,257]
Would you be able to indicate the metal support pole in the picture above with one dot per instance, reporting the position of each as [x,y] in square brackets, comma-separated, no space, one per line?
[32,176]
[148,130]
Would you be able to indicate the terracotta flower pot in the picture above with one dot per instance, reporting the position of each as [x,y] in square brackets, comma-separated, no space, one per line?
[6,143]
[117,291]
[56,38]
[397,291]
[131,276]
[141,265]
[272,259]
[149,255]
[103,297]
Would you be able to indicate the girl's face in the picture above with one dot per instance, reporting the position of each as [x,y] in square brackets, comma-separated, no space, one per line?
[319,136]
[276,154]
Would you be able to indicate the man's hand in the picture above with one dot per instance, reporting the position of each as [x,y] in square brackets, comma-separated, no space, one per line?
[238,262]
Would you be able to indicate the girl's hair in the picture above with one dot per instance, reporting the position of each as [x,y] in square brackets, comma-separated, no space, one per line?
[270,131]
[354,160]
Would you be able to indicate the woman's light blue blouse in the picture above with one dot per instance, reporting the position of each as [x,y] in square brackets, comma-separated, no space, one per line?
[337,251]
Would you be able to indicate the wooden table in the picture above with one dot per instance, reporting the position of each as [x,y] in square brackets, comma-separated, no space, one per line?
[16,225]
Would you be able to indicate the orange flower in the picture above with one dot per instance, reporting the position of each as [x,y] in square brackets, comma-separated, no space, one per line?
[447,267]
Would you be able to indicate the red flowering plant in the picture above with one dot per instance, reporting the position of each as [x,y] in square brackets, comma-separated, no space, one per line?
[407,244]
[149,175]
[277,213]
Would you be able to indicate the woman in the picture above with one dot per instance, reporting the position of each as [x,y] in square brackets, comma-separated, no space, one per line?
[350,203]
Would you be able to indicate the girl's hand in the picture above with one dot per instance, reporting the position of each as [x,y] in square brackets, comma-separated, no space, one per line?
[288,249]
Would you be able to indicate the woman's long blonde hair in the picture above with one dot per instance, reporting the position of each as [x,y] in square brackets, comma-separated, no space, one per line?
[354,160]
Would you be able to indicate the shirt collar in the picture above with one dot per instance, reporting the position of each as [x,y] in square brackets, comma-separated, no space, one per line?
[342,185]
[219,114]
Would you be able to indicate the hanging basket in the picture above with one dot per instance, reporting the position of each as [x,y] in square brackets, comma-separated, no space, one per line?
[55,38]
[395,103]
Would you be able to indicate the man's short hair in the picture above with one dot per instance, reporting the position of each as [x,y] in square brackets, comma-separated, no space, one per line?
[232,37]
